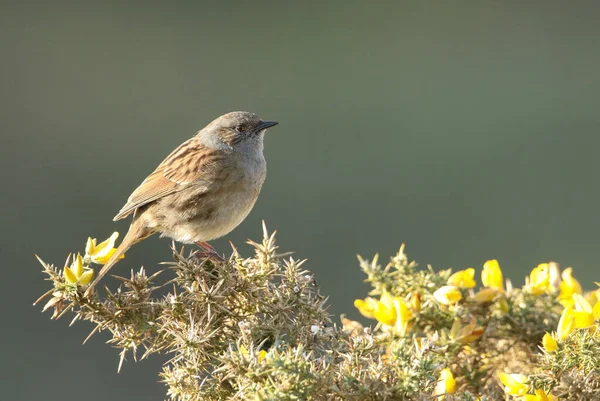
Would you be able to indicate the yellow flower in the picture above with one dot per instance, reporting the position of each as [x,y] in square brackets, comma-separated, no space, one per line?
[566,324]
[447,295]
[446,384]
[76,274]
[386,310]
[403,316]
[260,355]
[540,395]
[463,278]
[485,295]
[390,311]
[366,307]
[102,252]
[549,343]
[568,287]
[515,384]
[491,276]
[465,334]
[583,312]
[539,280]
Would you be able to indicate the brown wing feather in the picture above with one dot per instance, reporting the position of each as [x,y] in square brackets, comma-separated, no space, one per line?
[155,186]
[190,163]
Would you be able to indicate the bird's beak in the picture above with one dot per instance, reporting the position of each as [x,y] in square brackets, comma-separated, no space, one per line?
[263,125]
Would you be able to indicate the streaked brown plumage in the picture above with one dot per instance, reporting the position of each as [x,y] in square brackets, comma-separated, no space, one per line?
[203,189]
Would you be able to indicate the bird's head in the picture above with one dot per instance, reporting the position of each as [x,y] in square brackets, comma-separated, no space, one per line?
[239,130]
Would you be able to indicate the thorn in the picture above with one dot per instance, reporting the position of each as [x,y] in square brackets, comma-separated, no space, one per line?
[40,260]
[91,334]
[76,318]
[121,359]
[51,303]
[67,309]
[234,249]
[44,296]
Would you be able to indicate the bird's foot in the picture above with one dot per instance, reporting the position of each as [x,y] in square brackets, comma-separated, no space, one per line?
[215,257]
[206,246]
[208,252]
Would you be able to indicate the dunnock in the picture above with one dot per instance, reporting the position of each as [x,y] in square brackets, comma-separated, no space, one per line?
[202,190]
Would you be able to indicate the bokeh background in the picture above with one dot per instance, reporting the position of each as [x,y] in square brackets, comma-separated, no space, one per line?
[469,130]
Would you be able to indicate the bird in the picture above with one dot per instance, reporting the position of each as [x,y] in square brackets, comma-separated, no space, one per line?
[203,189]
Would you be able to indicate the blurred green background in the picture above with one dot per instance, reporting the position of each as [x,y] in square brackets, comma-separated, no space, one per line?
[469,130]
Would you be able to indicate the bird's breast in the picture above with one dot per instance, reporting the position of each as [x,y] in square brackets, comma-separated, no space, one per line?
[214,213]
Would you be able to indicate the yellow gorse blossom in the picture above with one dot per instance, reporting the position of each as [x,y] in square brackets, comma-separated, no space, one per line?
[463,278]
[566,324]
[549,343]
[585,314]
[448,295]
[514,384]
[260,355]
[403,316]
[539,280]
[77,274]
[389,310]
[568,286]
[540,395]
[491,275]
[446,384]
[103,251]
[485,295]
[386,310]
[366,307]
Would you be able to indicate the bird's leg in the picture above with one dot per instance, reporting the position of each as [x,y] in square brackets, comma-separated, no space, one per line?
[206,246]
[208,252]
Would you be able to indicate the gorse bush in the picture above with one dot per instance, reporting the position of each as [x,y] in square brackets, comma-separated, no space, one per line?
[257,328]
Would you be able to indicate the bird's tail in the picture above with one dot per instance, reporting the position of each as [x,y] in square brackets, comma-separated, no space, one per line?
[136,233]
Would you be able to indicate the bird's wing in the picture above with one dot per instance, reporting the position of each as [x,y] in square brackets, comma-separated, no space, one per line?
[190,163]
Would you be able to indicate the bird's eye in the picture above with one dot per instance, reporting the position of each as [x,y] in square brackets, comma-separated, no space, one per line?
[240,128]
